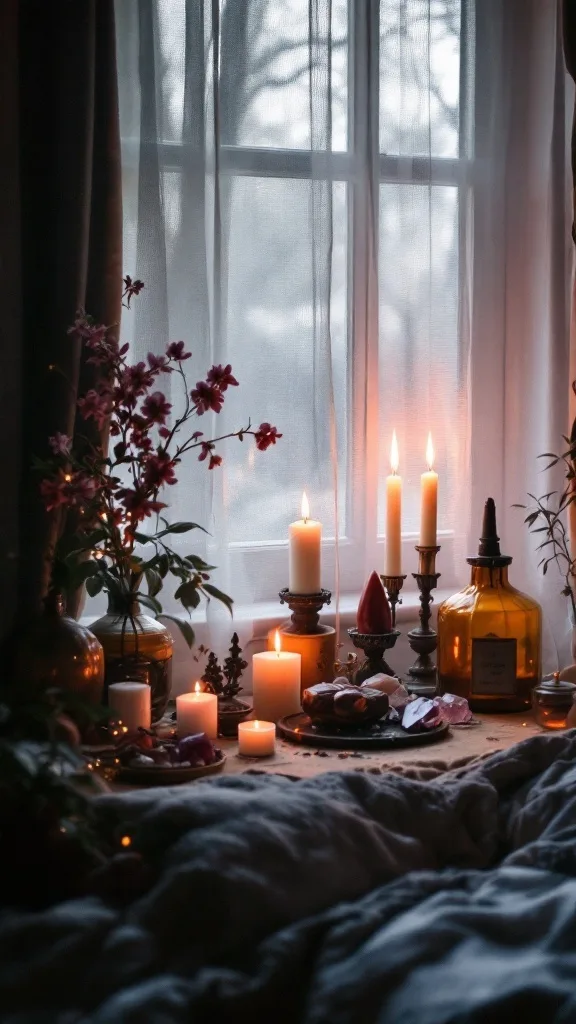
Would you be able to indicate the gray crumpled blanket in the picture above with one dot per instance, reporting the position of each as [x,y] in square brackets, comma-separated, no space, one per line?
[347,897]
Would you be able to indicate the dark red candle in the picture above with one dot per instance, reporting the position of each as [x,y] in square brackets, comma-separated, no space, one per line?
[374,613]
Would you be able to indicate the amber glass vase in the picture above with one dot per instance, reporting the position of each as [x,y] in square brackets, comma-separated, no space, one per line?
[136,646]
[489,635]
[53,650]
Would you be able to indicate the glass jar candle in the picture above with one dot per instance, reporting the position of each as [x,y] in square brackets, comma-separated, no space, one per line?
[552,702]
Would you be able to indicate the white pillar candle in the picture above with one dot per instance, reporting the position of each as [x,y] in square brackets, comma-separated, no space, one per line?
[429,495]
[393,563]
[304,571]
[276,683]
[256,739]
[132,704]
[197,712]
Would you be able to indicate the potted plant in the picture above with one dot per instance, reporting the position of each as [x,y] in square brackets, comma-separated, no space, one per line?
[553,518]
[225,683]
[107,497]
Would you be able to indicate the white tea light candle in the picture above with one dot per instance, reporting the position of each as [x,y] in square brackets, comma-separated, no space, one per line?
[256,739]
[304,569]
[197,712]
[132,703]
[393,563]
[429,496]
[276,683]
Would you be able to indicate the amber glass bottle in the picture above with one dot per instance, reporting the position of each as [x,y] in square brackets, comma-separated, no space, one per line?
[489,635]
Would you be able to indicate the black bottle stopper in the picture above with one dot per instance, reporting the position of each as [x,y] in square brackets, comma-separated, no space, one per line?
[489,547]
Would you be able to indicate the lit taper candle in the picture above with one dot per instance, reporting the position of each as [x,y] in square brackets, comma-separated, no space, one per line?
[393,563]
[429,494]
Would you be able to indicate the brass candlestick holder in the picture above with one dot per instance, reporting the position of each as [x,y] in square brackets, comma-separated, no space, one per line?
[393,585]
[305,635]
[305,610]
[423,678]
[373,645]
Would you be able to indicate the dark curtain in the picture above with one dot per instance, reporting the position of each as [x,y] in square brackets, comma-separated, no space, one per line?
[569,33]
[61,224]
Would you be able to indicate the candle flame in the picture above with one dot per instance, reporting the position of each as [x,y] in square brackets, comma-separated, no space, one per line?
[394,458]
[256,724]
[430,452]
[277,646]
[305,507]
[197,688]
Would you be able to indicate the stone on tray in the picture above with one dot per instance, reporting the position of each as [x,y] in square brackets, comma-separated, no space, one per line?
[398,695]
[335,704]
[141,761]
[196,749]
[453,709]
[420,714]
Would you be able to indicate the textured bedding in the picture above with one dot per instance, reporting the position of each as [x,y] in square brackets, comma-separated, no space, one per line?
[347,897]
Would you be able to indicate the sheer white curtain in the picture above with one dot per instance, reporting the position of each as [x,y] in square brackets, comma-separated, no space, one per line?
[363,207]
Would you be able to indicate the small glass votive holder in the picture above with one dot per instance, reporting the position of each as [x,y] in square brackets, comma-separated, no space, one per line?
[552,702]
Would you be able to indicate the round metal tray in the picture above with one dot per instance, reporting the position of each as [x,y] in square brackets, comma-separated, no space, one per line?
[158,776]
[381,736]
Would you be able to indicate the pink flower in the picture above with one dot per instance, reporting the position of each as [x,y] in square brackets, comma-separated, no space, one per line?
[155,407]
[137,504]
[215,460]
[164,432]
[206,447]
[136,379]
[197,434]
[265,436]
[95,406]
[159,470]
[55,492]
[141,441]
[221,377]
[175,350]
[131,288]
[83,488]
[60,443]
[158,364]
[207,396]
[85,330]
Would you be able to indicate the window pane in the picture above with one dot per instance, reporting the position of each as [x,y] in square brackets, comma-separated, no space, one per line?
[419,77]
[419,359]
[270,345]
[265,85]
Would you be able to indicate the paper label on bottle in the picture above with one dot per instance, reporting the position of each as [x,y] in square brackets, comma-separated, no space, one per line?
[494,666]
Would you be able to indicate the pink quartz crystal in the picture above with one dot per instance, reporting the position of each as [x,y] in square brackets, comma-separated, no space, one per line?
[453,709]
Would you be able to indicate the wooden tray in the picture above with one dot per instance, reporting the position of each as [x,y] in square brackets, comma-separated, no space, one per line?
[299,729]
[157,776]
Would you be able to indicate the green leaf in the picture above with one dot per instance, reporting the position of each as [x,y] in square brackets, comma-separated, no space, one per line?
[213,591]
[94,585]
[84,570]
[198,563]
[143,538]
[184,627]
[154,581]
[188,594]
[163,564]
[150,602]
[181,528]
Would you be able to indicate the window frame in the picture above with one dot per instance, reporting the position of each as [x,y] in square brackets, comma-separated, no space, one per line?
[362,168]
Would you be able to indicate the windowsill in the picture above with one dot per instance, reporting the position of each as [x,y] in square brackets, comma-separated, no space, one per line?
[253,623]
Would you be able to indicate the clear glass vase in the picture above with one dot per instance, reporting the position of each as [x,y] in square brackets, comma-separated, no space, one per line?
[136,646]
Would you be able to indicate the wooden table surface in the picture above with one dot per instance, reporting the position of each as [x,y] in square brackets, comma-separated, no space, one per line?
[487,734]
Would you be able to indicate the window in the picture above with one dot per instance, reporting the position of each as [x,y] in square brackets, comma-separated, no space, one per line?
[389,150]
